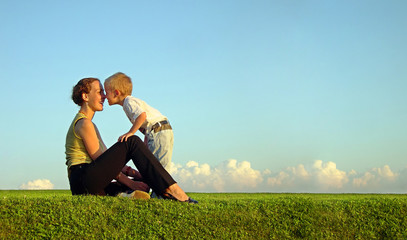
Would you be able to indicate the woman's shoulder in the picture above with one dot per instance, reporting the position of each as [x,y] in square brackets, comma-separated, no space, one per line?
[84,124]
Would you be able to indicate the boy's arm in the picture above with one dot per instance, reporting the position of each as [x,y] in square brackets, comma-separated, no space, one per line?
[136,125]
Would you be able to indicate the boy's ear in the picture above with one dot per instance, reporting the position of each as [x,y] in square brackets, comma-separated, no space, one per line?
[116,92]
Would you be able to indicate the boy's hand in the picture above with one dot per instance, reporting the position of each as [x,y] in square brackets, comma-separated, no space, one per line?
[125,136]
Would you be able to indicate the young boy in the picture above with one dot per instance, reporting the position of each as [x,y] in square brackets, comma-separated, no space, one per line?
[156,127]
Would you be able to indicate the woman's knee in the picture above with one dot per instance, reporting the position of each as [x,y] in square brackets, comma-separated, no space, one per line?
[135,139]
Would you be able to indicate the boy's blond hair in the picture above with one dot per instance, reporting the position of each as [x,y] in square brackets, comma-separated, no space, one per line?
[120,81]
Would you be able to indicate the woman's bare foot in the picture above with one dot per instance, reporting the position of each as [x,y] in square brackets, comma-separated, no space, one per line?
[177,192]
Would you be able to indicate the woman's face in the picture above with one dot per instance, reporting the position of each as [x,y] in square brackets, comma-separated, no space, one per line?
[96,96]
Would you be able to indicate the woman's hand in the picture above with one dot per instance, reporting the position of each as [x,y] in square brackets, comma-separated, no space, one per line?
[128,171]
[134,185]
[141,186]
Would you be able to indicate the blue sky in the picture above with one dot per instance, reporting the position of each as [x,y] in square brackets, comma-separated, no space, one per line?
[255,90]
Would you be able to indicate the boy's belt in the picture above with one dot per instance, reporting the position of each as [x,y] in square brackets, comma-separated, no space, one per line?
[159,126]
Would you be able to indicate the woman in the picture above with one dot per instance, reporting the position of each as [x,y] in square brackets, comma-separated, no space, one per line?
[91,166]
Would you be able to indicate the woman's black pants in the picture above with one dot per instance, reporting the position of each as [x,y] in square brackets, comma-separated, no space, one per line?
[93,178]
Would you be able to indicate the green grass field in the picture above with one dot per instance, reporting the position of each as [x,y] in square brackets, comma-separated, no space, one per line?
[55,214]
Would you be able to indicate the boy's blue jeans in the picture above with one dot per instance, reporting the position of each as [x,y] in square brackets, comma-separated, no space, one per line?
[161,144]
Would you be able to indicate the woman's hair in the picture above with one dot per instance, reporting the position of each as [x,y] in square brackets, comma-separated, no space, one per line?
[83,86]
[120,81]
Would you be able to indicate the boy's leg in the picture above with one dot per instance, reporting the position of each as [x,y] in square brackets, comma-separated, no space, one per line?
[161,145]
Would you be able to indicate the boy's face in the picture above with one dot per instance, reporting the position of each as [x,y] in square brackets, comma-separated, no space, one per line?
[111,96]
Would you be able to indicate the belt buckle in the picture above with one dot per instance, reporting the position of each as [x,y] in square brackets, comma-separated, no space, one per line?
[158,125]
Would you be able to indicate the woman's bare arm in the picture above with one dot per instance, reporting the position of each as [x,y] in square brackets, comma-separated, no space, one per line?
[87,131]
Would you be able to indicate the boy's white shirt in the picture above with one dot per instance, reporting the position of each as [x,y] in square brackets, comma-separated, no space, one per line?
[133,107]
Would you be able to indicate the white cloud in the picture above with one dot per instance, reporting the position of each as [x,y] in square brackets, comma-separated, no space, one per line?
[379,178]
[364,180]
[38,184]
[234,176]
[230,176]
[291,179]
[328,176]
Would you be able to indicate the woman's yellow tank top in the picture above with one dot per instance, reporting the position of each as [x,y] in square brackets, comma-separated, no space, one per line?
[75,150]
